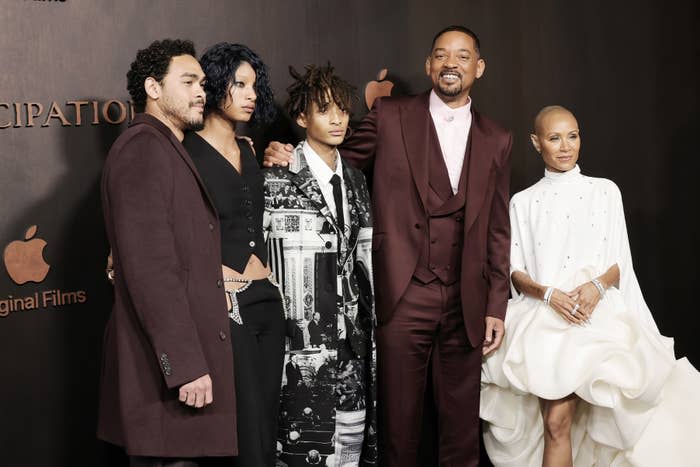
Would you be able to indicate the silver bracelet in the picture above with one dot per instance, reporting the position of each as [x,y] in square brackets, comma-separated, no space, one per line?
[599,286]
[548,295]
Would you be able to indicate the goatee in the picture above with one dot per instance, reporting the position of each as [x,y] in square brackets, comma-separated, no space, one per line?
[194,125]
[449,92]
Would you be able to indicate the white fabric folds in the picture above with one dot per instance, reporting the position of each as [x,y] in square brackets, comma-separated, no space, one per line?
[641,407]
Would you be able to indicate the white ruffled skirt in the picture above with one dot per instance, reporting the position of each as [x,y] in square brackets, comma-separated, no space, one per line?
[640,407]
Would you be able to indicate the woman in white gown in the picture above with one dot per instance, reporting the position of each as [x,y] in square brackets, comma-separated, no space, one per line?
[583,376]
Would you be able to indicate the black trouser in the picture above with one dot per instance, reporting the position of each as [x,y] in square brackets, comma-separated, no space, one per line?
[258,355]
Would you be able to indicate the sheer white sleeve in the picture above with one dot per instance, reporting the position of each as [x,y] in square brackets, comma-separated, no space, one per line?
[517,247]
[618,252]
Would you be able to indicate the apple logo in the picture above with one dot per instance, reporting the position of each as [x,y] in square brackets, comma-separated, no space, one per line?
[378,88]
[24,259]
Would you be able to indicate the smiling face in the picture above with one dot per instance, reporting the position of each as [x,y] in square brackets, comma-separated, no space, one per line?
[453,66]
[180,96]
[557,139]
[240,100]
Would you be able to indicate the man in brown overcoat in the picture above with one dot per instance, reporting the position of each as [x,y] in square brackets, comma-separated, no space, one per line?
[167,388]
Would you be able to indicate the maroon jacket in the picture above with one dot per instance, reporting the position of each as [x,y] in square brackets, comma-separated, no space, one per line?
[169,323]
[395,135]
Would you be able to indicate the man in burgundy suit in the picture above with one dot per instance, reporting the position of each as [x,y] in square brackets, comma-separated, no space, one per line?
[167,391]
[441,249]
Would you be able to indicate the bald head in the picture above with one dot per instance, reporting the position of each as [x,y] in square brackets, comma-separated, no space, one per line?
[557,138]
[549,114]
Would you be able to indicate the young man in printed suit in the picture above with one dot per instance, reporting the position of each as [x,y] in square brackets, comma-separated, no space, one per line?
[318,219]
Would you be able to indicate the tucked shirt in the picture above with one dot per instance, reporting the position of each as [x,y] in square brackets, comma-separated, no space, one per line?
[452,127]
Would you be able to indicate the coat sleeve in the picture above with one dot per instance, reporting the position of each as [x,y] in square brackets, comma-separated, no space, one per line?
[139,188]
[360,148]
[498,241]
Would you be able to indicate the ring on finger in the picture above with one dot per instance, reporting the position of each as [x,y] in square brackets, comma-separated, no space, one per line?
[573,312]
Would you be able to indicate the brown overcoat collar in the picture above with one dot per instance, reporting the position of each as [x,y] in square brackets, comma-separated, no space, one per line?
[150,120]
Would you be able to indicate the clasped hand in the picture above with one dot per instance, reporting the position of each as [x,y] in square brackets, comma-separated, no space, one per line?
[576,306]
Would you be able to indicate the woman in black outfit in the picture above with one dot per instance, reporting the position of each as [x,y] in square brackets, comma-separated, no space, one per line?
[238,90]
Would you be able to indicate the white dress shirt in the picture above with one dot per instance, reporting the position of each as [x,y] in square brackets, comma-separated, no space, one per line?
[452,127]
[323,174]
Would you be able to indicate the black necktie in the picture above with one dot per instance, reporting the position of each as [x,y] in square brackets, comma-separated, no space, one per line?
[338,198]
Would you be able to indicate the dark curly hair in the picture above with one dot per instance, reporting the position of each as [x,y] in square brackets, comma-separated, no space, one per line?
[220,63]
[153,61]
[315,86]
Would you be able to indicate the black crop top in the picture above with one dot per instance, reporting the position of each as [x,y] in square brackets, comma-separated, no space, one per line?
[238,197]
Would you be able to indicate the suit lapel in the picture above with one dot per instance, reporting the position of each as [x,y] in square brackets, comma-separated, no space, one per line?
[480,161]
[304,179]
[415,128]
[351,188]
[438,177]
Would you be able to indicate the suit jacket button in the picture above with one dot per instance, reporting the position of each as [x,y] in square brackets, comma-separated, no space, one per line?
[328,244]
[222,335]
[211,226]
[417,226]
[219,283]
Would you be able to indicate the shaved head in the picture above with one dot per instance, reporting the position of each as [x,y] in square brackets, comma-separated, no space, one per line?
[547,113]
[557,138]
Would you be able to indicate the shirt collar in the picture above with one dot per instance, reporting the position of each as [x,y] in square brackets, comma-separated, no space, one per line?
[318,166]
[443,112]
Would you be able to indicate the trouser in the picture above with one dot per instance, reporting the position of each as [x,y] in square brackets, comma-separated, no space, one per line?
[258,354]
[427,329]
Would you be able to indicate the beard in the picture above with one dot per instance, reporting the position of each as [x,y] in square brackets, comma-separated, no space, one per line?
[194,124]
[182,112]
[449,90]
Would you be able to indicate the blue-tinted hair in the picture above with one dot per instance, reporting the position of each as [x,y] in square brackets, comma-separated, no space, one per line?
[220,63]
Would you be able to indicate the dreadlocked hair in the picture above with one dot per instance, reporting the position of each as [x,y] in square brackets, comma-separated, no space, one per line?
[318,85]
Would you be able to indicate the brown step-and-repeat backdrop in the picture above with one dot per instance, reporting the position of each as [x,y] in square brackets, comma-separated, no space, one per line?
[628,70]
